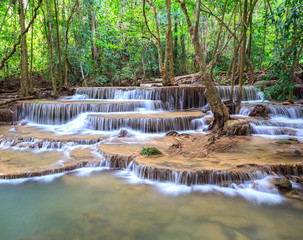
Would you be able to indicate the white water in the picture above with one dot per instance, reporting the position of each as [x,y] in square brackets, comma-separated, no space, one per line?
[257,191]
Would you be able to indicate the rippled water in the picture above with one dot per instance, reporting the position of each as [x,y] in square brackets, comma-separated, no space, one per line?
[103,205]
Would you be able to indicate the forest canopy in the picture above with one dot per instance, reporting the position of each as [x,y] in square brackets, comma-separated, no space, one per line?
[105,42]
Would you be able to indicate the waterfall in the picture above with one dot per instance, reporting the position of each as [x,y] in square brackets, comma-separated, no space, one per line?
[184,97]
[142,124]
[59,113]
[283,122]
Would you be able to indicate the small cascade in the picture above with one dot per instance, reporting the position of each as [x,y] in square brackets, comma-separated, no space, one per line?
[33,143]
[182,97]
[143,124]
[172,97]
[183,177]
[284,121]
[286,112]
[59,113]
[249,93]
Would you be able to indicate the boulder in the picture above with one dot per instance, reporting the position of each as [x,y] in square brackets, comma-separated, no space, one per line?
[172,133]
[283,184]
[259,111]
[6,115]
[239,127]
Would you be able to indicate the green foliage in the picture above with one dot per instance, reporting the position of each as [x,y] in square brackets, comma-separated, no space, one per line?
[150,151]
[287,19]
[126,50]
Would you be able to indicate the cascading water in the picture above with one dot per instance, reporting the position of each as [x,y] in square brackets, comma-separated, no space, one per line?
[60,113]
[172,97]
[282,123]
[102,112]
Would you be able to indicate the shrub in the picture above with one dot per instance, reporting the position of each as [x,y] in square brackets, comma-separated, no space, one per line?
[150,151]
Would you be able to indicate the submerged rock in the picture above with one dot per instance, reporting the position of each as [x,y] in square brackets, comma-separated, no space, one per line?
[124,133]
[172,133]
[283,184]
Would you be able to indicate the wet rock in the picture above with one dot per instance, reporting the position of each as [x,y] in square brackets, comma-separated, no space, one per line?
[293,139]
[259,111]
[24,123]
[286,103]
[299,77]
[283,184]
[237,127]
[172,133]
[231,106]
[124,133]
[6,115]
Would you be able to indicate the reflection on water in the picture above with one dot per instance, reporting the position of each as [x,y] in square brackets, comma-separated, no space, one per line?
[102,206]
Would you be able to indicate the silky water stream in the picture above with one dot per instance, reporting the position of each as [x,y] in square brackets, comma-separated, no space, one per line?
[98,202]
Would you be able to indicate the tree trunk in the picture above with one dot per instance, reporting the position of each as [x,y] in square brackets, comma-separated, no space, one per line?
[93,31]
[58,44]
[264,36]
[24,53]
[51,52]
[157,37]
[243,54]
[233,63]
[31,87]
[220,111]
[169,43]
[183,54]
[250,29]
[176,45]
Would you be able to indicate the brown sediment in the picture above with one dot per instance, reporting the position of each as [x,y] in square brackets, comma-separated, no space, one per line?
[187,158]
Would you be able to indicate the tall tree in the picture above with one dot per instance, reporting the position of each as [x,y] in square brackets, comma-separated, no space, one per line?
[24,53]
[167,78]
[220,111]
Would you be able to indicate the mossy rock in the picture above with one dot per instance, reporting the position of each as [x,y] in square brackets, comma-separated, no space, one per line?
[150,151]
[284,142]
[297,152]
[293,139]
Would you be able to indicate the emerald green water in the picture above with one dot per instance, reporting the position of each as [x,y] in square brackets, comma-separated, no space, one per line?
[104,206]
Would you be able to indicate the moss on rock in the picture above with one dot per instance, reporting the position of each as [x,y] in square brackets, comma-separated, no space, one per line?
[150,151]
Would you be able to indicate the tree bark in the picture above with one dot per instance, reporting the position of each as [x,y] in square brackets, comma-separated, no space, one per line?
[243,54]
[176,44]
[220,111]
[31,87]
[214,56]
[162,66]
[66,38]
[93,32]
[51,52]
[183,53]
[24,53]
[233,63]
[169,43]
[264,36]
[58,44]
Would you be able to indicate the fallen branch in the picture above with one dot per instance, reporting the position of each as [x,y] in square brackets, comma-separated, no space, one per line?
[8,91]
[16,100]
